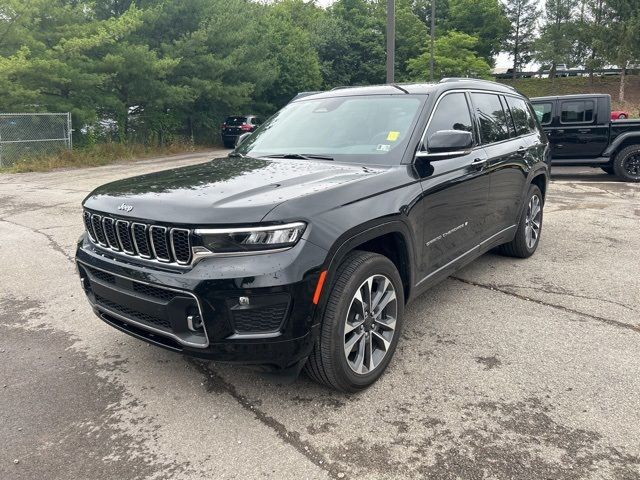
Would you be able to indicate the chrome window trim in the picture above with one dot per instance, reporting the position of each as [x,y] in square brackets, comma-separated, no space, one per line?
[146,327]
[153,246]
[135,242]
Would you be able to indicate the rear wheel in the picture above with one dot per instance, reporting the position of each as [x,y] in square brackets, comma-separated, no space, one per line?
[527,236]
[360,325]
[627,163]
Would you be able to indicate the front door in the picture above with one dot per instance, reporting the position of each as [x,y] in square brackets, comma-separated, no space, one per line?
[456,191]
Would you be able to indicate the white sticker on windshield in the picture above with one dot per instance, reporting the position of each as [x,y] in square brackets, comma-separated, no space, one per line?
[383,147]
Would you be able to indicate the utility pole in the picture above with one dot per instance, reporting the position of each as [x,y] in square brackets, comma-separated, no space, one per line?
[391,39]
[433,37]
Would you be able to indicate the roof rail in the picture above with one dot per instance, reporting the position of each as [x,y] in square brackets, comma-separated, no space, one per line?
[463,79]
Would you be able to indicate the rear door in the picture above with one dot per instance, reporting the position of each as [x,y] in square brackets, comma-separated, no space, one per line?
[456,190]
[506,146]
[578,134]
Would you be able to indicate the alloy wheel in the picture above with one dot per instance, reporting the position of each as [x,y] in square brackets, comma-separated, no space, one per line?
[533,221]
[370,324]
[632,165]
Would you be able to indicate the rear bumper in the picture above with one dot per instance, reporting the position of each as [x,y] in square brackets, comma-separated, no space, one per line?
[247,317]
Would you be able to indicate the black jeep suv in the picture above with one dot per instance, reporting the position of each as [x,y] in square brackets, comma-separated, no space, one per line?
[304,245]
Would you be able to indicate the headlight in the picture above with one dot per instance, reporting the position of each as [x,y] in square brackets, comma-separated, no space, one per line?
[251,239]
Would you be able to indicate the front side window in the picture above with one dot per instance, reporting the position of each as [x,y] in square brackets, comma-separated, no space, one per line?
[359,129]
[451,113]
[522,118]
[543,112]
[491,117]
[579,111]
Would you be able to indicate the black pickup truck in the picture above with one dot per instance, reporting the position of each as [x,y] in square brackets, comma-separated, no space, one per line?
[581,132]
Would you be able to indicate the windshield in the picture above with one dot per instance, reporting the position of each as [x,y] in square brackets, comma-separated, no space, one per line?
[360,129]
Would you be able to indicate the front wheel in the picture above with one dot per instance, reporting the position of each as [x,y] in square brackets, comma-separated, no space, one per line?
[529,229]
[627,164]
[360,325]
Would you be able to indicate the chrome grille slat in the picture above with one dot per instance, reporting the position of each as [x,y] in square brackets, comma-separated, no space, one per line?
[141,240]
[159,243]
[96,222]
[110,233]
[181,245]
[156,243]
[124,237]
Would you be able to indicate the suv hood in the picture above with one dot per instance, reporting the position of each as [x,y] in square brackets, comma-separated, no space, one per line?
[223,191]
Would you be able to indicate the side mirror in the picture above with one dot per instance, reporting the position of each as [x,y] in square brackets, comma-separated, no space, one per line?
[447,144]
[242,138]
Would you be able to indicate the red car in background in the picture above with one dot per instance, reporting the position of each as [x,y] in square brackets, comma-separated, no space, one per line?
[619,115]
[236,125]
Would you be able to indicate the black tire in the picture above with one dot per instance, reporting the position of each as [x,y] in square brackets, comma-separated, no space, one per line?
[608,169]
[328,363]
[519,247]
[622,116]
[627,162]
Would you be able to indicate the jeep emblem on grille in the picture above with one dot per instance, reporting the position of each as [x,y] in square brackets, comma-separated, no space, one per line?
[125,207]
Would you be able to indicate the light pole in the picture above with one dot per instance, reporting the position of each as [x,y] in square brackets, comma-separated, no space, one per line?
[391,39]
[433,36]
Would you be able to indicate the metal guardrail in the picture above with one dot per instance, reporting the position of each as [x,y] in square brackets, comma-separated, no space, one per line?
[568,73]
[24,135]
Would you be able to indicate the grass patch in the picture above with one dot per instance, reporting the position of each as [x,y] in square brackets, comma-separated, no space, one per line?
[542,87]
[95,156]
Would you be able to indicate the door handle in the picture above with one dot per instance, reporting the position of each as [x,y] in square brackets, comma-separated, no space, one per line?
[521,150]
[560,131]
[584,130]
[478,162]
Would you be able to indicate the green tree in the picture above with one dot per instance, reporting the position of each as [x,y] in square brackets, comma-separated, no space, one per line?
[483,19]
[556,39]
[455,56]
[623,32]
[522,14]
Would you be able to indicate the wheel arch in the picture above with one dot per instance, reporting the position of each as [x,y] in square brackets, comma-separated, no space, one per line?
[620,142]
[391,239]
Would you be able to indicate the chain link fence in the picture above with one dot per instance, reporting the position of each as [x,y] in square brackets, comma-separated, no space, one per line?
[25,135]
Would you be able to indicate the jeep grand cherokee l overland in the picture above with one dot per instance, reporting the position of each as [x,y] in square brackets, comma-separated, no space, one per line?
[303,246]
[580,133]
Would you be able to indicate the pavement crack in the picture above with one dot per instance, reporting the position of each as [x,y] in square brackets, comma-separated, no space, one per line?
[563,292]
[496,288]
[52,242]
[290,437]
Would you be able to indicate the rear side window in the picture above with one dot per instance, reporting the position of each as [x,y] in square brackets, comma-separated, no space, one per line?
[233,121]
[576,111]
[522,118]
[543,112]
[452,113]
[491,117]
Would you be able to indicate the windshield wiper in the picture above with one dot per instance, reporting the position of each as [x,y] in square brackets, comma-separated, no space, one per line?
[299,156]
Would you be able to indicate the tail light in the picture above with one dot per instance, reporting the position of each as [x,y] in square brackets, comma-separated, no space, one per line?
[245,127]
[222,125]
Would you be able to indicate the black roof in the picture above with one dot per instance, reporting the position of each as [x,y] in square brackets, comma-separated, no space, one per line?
[413,88]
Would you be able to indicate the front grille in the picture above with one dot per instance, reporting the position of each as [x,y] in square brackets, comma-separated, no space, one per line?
[264,319]
[168,245]
[149,291]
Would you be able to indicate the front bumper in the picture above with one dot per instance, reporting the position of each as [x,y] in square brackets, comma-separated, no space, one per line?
[254,310]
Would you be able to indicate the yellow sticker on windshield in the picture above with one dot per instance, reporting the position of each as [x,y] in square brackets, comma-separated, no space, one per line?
[393,136]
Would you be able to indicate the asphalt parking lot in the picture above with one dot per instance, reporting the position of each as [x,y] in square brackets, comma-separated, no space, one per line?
[511,369]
